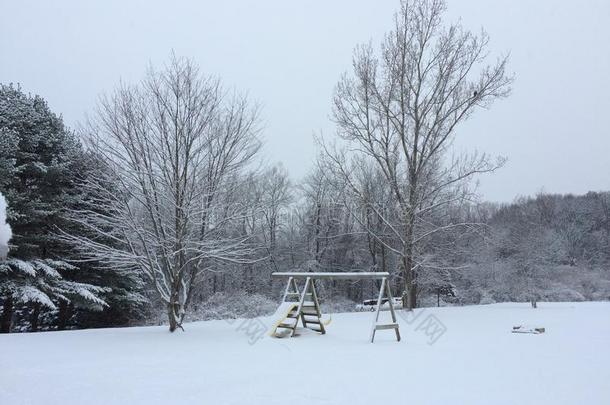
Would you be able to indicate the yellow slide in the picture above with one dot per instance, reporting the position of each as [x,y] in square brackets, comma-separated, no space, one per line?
[281,314]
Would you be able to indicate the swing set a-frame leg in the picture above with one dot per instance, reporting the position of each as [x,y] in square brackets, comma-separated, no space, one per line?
[315,313]
[309,310]
[385,290]
[295,289]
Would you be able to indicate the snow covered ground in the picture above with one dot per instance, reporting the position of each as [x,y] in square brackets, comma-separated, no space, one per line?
[459,355]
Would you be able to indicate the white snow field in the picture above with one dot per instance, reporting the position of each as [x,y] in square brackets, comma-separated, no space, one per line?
[477,360]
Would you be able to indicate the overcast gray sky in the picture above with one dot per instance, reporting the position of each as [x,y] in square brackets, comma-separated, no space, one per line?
[288,55]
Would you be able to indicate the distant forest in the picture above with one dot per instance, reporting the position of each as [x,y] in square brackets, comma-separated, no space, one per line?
[547,247]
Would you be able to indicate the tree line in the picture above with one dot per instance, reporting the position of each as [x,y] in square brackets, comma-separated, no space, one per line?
[160,200]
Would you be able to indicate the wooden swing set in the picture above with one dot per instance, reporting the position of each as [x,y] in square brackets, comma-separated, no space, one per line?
[307,308]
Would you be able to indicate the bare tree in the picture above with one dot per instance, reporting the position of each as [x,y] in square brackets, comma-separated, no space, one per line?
[276,196]
[400,108]
[168,148]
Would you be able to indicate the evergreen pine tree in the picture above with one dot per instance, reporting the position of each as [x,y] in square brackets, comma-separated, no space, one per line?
[42,164]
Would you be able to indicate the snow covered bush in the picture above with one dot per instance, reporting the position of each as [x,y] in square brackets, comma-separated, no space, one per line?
[233,305]
[336,304]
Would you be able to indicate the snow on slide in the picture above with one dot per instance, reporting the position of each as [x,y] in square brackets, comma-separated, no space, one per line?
[281,316]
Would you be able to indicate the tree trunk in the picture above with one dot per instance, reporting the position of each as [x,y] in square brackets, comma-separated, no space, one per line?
[34,318]
[173,312]
[410,282]
[7,315]
[63,316]
[410,293]
[171,315]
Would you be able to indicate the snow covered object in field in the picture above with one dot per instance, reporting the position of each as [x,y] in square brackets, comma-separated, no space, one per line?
[370,305]
[5,229]
[536,330]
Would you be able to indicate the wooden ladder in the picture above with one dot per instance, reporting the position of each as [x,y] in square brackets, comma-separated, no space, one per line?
[307,310]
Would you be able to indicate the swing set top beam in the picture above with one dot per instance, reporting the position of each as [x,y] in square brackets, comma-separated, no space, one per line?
[334,275]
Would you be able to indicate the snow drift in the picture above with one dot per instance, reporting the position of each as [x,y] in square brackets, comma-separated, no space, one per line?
[477,361]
